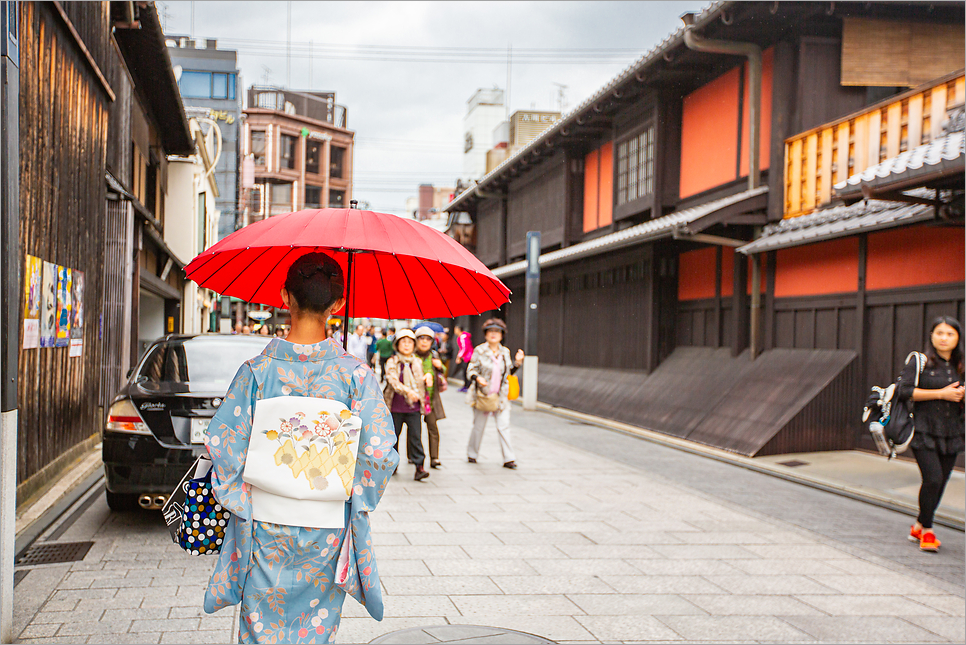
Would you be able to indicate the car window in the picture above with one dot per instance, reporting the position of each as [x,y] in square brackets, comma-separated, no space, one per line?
[203,364]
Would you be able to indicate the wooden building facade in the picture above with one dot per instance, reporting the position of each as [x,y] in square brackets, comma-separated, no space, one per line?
[655,227]
[82,166]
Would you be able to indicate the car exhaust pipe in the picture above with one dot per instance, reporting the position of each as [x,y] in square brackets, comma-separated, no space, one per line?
[152,502]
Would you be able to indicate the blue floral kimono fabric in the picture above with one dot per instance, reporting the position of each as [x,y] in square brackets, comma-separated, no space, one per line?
[284,576]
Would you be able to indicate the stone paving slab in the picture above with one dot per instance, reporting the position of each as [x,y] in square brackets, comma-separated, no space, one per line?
[573,547]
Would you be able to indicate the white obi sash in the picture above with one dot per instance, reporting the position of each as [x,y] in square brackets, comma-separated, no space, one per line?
[301,461]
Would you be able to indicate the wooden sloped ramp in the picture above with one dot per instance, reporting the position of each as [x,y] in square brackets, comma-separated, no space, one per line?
[787,400]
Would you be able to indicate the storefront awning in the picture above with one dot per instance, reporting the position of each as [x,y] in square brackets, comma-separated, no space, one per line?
[689,220]
[839,221]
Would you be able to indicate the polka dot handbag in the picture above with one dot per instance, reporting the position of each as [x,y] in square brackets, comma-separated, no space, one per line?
[201,526]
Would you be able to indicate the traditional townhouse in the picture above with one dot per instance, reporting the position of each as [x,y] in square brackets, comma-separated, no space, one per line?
[714,222]
[99,113]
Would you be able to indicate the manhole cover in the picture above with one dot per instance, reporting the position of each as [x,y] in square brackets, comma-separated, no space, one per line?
[460,633]
[51,552]
[794,463]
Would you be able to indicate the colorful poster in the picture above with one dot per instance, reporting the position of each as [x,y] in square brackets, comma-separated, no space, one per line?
[63,307]
[77,313]
[32,283]
[48,305]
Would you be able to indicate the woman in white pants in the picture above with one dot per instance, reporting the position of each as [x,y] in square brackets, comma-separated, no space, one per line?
[488,371]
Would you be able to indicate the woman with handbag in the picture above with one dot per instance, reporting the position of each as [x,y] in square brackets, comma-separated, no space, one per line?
[939,433]
[433,370]
[302,449]
[489,371]
[405,394]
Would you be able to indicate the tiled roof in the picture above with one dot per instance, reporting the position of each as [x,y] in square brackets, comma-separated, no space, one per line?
[569,119]
[654,229]
[943,155]
[840,221]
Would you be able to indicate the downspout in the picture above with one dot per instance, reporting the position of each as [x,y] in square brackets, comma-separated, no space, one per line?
[752,52]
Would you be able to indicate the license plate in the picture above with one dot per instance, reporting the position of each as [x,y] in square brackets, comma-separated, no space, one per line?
[198,429]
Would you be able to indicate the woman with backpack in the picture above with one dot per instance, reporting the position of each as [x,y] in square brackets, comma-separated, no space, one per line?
[939,435]
[489,372]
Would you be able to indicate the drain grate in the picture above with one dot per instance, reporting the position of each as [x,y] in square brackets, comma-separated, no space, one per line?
[794,463]
[52,552]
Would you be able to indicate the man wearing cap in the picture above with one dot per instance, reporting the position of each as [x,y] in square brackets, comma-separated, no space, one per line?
[489,371]
[432,369]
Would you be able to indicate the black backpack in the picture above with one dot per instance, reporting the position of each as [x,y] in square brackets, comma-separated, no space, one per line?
[890,421]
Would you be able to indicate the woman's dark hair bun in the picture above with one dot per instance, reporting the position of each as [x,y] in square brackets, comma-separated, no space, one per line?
[315,282]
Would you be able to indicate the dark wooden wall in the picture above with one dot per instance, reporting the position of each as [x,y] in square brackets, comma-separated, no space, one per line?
[490,247]
[537,202]
[63,140]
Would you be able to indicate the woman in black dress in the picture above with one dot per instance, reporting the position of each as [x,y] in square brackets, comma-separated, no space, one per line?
[938,402]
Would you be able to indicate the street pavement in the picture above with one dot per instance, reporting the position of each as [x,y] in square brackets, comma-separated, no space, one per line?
[598,537]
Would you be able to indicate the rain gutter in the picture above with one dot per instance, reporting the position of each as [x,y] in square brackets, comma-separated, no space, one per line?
[752,52]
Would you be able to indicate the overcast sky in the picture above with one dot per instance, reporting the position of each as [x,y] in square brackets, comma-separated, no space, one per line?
[405,70]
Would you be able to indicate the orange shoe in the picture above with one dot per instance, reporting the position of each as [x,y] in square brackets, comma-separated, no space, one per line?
[915,535]
[929,541]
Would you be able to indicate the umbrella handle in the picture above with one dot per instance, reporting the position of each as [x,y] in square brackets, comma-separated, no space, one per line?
[348,289]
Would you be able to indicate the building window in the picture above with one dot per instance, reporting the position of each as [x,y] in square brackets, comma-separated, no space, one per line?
[255,200]
[336,199]
[258,147]
[336,162]
[313,156]
[202,222]
[635,167]
[599,188]
[207,85]
[281,195]
[313,196]
[286,153]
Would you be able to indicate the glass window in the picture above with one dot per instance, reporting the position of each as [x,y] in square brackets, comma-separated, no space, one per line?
[336,199]
[258,147]
[336,161]
[231,86]
[635,167]
[219,86]
[286,153]
[313,156]
[195,85]
[205,364]
[313,196]
[282,194]
[255,200]
[202,221]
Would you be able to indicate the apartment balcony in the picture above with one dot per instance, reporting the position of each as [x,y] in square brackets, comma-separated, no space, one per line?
[319,106]
[818,159]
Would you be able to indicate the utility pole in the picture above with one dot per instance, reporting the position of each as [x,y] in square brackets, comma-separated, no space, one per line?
[530,327]
[10,262]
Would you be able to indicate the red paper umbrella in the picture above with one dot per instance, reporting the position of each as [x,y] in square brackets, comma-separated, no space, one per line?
[394,267]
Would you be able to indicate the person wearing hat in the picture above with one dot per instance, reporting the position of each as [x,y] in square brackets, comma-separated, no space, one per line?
[405,395]
[489,371]
[433,369]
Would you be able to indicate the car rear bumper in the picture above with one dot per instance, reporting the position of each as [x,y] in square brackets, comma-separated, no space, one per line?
[138,464]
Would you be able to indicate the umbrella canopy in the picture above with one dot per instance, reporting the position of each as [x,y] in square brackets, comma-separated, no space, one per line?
[394,267]
[435,326]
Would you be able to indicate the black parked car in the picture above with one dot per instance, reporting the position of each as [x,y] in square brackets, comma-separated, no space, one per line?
[156,425]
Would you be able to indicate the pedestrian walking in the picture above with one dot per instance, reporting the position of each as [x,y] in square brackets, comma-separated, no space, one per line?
[939,418]
[464,352]
[282,548]
[434,372]
[358,343]
[445,351]
[405,394]
[489,369]
[383,352]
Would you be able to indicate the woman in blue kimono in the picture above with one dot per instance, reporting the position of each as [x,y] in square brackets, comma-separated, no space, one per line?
[291,577]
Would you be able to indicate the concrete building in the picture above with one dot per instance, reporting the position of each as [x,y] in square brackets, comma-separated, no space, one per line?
[299,150]
[208,78]
[484,112]
[511,136]
[192,223]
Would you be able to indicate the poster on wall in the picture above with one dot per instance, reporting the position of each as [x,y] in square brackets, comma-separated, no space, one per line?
[32,282]
[63,307]
[48,305]
[77,313]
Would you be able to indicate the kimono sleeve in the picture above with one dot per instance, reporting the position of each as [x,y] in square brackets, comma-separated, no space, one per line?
[377,458]
[227,441]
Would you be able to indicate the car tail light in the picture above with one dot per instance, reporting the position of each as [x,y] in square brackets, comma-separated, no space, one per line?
[124,417]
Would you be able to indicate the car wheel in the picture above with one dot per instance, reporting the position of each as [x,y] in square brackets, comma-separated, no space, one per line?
[122,502]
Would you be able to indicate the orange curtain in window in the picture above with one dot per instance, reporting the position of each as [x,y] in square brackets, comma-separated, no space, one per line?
[591,179]
[605,191]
